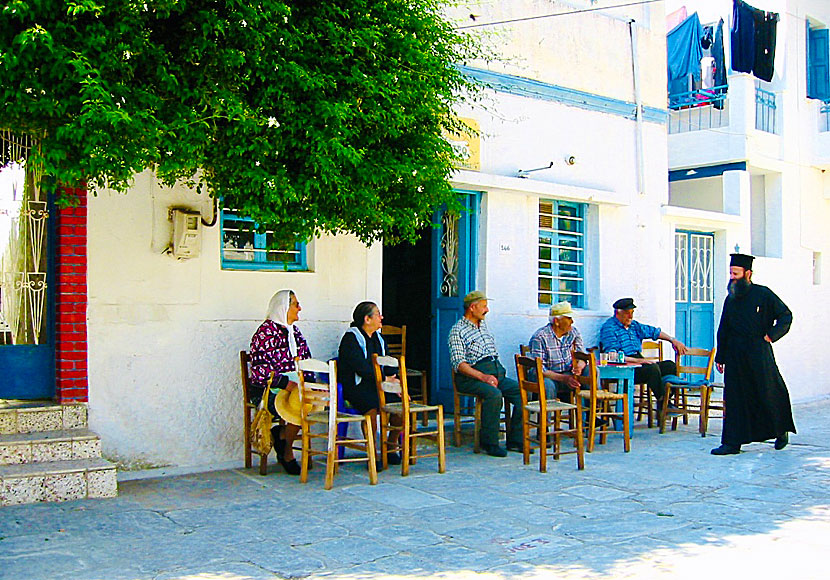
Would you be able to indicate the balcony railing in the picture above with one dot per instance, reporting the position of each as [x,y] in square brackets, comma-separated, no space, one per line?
[764,110]
[698,110]
[824,117]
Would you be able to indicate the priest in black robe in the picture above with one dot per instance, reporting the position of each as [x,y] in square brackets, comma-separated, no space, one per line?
[757,404]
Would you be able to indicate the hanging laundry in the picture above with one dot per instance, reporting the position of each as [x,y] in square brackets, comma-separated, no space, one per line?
[765,35]
[743,36]
[675,18]
[707,72]
[753,38]
[683,49]
[720,59]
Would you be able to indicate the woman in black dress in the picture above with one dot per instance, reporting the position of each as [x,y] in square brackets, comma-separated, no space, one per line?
[356,372]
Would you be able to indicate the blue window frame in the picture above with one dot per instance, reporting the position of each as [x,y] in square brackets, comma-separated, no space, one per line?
[245,248]
[818,63]
[561,253]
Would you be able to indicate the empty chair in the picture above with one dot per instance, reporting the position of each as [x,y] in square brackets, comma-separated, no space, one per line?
[551,418]
[689,392]
[395,337]
[409,412]
[601,404]
[319,405]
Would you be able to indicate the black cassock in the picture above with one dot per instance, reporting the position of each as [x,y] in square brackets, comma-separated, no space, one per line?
[756,398]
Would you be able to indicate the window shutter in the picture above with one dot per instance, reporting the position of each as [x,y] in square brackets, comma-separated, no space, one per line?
[818,64]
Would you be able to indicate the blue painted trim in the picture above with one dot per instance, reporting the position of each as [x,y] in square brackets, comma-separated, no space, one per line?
[547,92]
[298,265]
[707,171]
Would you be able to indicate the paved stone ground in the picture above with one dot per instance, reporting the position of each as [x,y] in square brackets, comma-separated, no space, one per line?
[668,509]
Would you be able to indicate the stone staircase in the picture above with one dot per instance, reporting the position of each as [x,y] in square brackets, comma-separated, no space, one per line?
[48,454]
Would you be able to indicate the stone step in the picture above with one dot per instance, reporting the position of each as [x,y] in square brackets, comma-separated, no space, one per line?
[43,446]
[33,416]
[57,481]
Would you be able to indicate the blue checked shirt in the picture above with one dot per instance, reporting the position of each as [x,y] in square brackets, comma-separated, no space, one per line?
[470,343]
[614,336]
[555,352]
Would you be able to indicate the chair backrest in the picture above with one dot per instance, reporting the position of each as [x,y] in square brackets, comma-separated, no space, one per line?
[589,376]
[395,339]
[245,368]
[652,350]
[317,394]
[526,368]
[704,371]
[379,362]
[524,349]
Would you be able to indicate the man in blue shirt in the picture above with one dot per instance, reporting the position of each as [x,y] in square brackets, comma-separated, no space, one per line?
[622,333]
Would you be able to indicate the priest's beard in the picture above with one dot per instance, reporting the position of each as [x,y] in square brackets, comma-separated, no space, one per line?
[738,287]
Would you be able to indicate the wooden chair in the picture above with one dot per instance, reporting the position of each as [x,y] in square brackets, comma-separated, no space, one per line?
[524,349]
[554,419]
[690,398]
[652,350]
[465,405]
[409,412]
[471,406]
[248,411]
[319,405]
[601,405]
[395,339]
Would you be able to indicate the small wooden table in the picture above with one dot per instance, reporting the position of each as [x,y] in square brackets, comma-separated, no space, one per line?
[624,375]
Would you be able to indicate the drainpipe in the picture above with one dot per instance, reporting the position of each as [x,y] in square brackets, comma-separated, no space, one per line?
[638,114]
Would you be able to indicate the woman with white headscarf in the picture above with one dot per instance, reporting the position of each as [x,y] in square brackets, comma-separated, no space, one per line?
[273,348]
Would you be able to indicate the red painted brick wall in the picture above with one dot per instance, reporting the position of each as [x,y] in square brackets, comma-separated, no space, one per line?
[71,372]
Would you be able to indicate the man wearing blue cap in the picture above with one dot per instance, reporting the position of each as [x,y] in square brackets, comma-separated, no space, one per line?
[622,333]
[756,401]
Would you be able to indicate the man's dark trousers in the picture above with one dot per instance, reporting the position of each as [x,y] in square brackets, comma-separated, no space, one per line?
[651,375]
[491,401]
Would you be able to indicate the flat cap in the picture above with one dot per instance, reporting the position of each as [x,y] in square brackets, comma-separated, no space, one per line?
[624,304]
[474,296]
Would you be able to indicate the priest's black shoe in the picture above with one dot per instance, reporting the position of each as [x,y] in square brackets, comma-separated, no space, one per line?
[393,458]
[782,441]
[494,450]
[726,450]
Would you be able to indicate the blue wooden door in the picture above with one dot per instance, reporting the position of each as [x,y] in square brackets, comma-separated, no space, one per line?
[454,252]
[27,353]
[693,288]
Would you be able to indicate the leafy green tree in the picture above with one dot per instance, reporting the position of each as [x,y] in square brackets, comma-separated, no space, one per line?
[314,116]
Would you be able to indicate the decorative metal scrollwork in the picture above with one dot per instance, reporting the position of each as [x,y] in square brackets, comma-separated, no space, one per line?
[449,254]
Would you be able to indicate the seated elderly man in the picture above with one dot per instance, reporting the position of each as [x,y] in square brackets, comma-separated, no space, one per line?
[554,343]
[475,360]
[622,333]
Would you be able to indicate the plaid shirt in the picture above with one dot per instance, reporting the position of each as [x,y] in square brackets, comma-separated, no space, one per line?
[555,352]
[614,336]
[470,343]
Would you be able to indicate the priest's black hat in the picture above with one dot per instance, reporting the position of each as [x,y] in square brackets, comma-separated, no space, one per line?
[624,304]
[742,261]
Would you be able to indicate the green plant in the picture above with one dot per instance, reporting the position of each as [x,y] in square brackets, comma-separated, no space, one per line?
[315,117]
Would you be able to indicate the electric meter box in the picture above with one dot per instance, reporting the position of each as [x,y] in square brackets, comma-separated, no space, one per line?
[187,233]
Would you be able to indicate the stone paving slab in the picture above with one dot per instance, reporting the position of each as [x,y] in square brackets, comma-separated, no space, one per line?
[668,509]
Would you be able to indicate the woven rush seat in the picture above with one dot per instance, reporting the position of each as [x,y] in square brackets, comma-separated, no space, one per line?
[603,395]
[552,405]
[406,442]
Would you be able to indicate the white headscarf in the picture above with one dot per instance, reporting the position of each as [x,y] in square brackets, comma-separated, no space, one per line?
[278,312]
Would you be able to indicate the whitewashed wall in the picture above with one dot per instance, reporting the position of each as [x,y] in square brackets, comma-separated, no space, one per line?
[165,335]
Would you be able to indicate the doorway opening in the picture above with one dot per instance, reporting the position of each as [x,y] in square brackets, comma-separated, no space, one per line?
[406,295]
